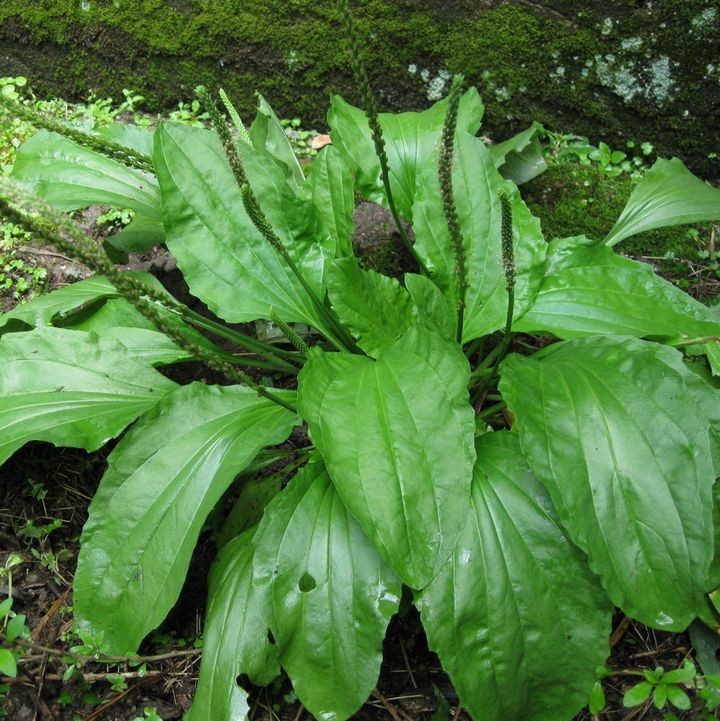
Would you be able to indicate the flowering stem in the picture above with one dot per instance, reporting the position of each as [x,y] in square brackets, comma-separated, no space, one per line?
[370,106]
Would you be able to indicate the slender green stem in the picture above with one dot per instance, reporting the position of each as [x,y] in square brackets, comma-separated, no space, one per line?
[487,362]
[284,360]
[476,346]
[695,341]
[362,79]
[490,411]
[479,374]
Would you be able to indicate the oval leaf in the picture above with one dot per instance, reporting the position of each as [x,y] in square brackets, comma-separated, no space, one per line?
[477,185]
[163,479]
[235,640]
[411,139]
[610,426]
[329,595]
[224,258]
[519,622]
[71,388]
[52,307]
[70,176]
[397,438]
[376,308]
[590,290]
[331,188]
[668,194]
[521,157]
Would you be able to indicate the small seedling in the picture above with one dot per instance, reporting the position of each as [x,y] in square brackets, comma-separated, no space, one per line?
[664,687]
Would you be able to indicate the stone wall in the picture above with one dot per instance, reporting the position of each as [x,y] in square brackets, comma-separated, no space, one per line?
[612,70]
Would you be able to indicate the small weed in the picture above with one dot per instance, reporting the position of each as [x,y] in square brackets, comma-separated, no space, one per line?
[190,113]
[300,138]
[149,714]
[115,218]
[663,687]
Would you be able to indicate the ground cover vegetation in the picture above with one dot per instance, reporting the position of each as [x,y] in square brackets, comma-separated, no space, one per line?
[513,436]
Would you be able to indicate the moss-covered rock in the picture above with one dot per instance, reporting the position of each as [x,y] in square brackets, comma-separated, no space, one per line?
[609,70]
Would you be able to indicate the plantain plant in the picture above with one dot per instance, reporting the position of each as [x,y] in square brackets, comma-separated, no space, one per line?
[522,433]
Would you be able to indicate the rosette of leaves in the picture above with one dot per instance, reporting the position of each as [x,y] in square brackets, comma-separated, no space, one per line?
[522,466]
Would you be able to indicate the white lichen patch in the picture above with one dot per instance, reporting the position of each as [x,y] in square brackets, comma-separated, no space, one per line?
[607,26]
[705,18]
[291,60]
[631,44]
[435,85]
[651,80]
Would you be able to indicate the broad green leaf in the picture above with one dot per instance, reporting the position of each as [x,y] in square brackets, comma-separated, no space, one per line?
[660,696]
[70,176]
[331,189]
[163,479]
[141,234]
[117,318]
[591,290]
[668,194]
[597,699]
[8,662]
[681,675]
[476,186]
[268,135]
[712,350]
[16,627]
[63,302]
[70,389]
[678,698]
[255,493]
[431,305]
[150,345]
[517,618]
[396,435]
[611,427]
[329,595]
[235,641]
[637,694]
[291,213]
[225,260]
[521,157]
[129,135]
[411,139]
[375,308]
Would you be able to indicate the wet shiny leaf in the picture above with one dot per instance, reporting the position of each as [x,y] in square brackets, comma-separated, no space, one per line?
[517,618]
[329,595]
[397,438]
[611,427]
[163,479]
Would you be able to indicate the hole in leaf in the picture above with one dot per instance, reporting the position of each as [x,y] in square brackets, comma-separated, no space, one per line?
[271,638]
[243,680]
[306,583]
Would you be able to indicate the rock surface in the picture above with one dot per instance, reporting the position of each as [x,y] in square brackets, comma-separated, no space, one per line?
[612,70]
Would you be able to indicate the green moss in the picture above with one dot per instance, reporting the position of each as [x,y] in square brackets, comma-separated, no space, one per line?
[644,74]
[573,199]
